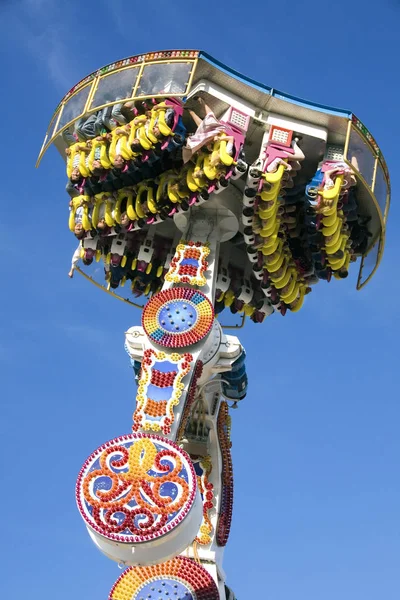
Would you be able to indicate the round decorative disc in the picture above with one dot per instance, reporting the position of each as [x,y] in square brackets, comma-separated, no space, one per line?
[178,579]
[136,488]
[178,317]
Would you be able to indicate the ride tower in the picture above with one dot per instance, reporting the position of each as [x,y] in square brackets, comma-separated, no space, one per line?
[202,191]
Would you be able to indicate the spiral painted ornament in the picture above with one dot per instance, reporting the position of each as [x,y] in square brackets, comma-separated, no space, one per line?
[178,579]
[136,488]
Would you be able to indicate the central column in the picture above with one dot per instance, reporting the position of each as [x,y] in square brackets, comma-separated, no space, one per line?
[166,488]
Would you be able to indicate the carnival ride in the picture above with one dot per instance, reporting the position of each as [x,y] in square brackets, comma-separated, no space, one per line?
[204,191]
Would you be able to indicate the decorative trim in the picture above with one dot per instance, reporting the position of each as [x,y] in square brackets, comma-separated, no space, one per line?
[189,263]
[180,576]
[204,465]
[226,505]
[178,317]
[157,413]
[118,490]
[137,59]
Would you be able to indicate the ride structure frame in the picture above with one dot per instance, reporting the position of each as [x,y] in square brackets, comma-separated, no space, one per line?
[159,500]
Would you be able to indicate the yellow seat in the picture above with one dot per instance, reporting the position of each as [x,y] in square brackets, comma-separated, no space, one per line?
[150,133]
[108,215]
[270,245]
[142,136]
[333,193]
[200,181]
[173,194]
[226,158]
[121,195]
[293,292]
[248,310]
[332,249]
[104,160]
[130,210]
[280,249]
[272,194]
[269,212]
[336,265]
[276,265]
[229,298]
[119,145]
[280,282]
[191,182]
[160,110]
[345,265]
[331,243]
[272,230]
[337,224]
[138,206]
[290,276]
[210,170]
[298,303]
[77,158]
[144,187]
[276,177]
[77,202]
[162,183]
[134,127]
[332,197]
[329,221]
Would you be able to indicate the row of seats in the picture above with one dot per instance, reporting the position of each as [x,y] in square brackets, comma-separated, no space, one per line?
[125,154]
[270,225]
[297,235]
[165,186]
[148,202]
[143,258]
[241,292]
[331,217]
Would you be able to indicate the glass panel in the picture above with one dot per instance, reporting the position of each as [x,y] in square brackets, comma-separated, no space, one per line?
[381,188]
[361,156]
[74,107]
[53,122]
[164,78]
[368,264]
[115,86]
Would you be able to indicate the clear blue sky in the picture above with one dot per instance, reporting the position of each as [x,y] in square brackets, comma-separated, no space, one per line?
[316,442]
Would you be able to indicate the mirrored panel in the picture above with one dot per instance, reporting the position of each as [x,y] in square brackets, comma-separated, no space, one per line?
[114,87]
[361,156]
[164,78]
[74,107]
[381,188]
[368,264]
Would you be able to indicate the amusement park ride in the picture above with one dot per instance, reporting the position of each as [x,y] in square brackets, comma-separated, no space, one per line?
[203,191]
